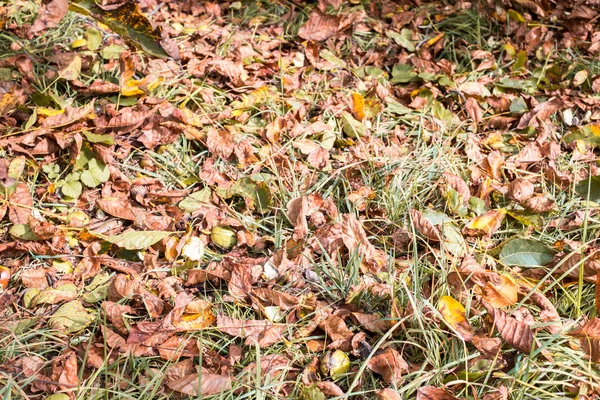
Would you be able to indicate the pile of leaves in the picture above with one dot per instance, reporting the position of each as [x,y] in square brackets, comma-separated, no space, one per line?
[386,199]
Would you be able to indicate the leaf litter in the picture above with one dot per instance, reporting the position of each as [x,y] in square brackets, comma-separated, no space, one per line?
[237,194]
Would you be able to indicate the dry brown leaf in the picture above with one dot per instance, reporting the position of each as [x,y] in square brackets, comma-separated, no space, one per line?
[520,190]
[499,394]
[515,333]
[330,388]
[70,116]
[21,204]
[424,226]
[540,203]
[220,142]
[589,335]
[389,364]
[336,328]
[474,110]
[541,113]
[355,239]
[50,14]
[264,332]
[210,384]
[320,26]
[372,322]
[116,314]
[597,292]
[489,347]
[387,394]
[118,207]
[270,297]
[127,67]
[434,393]
[178,346]
[501,294]
[486,224]
[458,184]
[548,312]
[122,286]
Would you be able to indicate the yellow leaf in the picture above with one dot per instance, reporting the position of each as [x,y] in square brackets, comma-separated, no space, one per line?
[515,16]
[455,316]
[434,40]
[485,224]
[78,43]
[358,106]
[503,294]
[510,50]
[49,112]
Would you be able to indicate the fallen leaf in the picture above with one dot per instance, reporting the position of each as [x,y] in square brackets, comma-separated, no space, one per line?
[204,384]
[434,393]
[589,336]
[455,315]
[50,14]
[501,294]
[424,226]
[486,224]
[389,364]
[515,333]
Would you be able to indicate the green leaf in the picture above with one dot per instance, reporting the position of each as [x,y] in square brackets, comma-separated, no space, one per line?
[94,39]
[112,52]
[402,39]
[453,240]
[96,173]
[195,200]
[71,188]
[127,21]
[96,138]
[589,188]
[403,73]
[85,155]
[526,253]
[71,317]
[136,240]
[352,127]
[22,232]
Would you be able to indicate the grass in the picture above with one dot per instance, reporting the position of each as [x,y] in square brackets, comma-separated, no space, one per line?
[415,278]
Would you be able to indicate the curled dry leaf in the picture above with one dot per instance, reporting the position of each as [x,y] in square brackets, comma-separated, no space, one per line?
[589,335]
[424,226]
[455,315]
[548,312]
[515,333]
[457,183]
[202,385]
[501,294]
[263,332]
[389,364]
[540,113]
[434,393]
[489,347]
[486,224]
[320,26]
[520,190]
[355,238]
[387,394]
[118,207]
[50,14]
[499,394]
[21,204]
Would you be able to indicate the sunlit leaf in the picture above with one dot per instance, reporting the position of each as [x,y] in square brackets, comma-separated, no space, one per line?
[137,240]
[526,253]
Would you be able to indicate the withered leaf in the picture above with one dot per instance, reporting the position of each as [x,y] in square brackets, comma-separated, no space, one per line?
[434,393]
[389,364]
[211,384]
[515,333]
[50,14]
[589,335]
[424,226]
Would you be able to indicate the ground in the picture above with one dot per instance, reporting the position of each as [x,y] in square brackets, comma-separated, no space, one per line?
[294,199]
